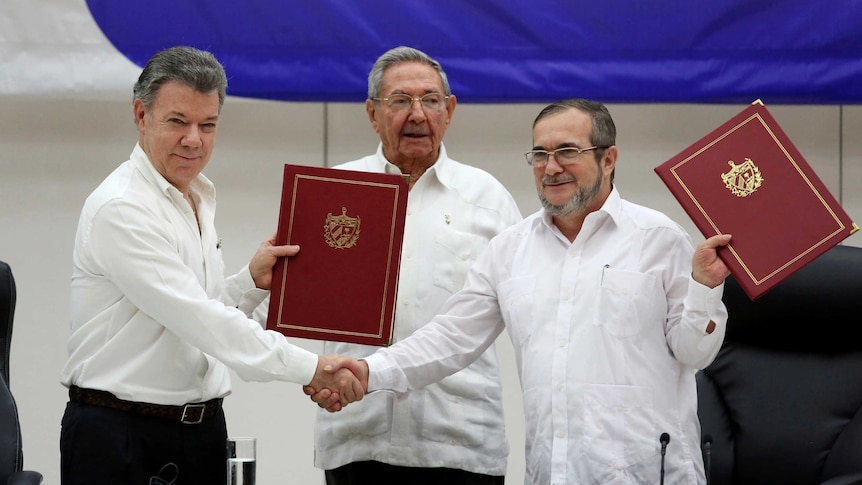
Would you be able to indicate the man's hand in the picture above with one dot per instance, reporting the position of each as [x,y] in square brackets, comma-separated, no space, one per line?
[339,381]
[264,259]
[340,367]
[706,267]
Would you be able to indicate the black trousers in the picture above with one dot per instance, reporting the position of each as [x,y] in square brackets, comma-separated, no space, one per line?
[106,446]
[377,473]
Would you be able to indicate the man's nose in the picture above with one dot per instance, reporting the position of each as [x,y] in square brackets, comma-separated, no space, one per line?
[553,167]
[416,110]
[192,137]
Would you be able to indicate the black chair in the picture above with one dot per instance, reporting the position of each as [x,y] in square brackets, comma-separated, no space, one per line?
[782,402]
[11,454]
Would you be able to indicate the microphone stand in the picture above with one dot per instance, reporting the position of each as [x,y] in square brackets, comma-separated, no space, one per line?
[664,439]
[707,457]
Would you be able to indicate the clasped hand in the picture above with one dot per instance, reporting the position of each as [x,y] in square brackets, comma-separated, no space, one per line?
[338,381]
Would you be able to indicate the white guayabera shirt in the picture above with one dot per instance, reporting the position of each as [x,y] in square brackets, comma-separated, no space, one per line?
[453,210]
[608,332]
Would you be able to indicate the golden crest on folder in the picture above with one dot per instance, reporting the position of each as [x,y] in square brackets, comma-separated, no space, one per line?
[341,232]
[743,179]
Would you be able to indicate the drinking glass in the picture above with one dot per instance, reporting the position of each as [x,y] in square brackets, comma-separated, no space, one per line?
[241,460]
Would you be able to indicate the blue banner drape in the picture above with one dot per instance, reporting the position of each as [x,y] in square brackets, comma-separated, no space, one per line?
[514,51]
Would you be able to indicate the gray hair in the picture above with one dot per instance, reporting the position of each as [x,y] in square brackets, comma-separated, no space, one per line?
[197,69]
[400,55]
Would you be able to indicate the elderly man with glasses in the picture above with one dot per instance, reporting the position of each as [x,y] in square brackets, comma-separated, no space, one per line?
[451,432]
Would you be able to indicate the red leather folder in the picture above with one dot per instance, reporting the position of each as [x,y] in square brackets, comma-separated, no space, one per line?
[745,178]
[341,285]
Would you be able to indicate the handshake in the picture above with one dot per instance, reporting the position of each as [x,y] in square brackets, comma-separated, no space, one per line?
[338,381]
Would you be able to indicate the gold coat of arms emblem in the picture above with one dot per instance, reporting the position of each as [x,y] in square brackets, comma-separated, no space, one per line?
[341,232]
[742,180]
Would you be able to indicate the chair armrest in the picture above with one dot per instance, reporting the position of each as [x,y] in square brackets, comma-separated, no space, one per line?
[25,478]
[849,479]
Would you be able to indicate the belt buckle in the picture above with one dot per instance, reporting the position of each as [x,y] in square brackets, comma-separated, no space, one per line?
[186,418]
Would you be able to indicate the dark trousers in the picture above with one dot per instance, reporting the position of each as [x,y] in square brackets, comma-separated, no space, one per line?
[106,446]
[377,473]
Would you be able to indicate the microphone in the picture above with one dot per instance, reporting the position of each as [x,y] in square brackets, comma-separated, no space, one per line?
[707,456]
[664,439]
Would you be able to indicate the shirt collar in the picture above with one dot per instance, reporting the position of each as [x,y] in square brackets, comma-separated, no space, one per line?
[613,205]
[441,170]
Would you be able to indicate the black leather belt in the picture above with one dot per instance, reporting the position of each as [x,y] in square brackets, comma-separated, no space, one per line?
[191,413]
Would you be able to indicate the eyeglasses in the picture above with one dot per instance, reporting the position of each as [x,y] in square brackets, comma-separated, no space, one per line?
[403,102]
[564,156]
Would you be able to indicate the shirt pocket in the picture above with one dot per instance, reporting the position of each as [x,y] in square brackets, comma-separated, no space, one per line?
[454,252]
[465,408]
[619,429]
[623,303]
[364,419]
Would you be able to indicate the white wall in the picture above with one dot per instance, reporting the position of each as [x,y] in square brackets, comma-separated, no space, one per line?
[53,153]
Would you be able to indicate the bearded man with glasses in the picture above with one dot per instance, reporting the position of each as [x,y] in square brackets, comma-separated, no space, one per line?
[451,432]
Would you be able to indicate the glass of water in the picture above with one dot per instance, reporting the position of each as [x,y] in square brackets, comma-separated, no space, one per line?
[241,461]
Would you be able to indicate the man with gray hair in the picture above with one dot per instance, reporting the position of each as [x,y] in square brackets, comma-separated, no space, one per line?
[155,323]
[451,432]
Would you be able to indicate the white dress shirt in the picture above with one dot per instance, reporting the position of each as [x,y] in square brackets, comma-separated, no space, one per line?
[608,332]
[153,317]
[453,210]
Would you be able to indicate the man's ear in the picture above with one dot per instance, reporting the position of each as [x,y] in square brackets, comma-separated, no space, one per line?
[139,112]
[371,109]
[609,160]
[450,107]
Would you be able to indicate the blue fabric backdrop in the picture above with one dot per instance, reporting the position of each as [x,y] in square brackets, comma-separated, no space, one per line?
[616,51]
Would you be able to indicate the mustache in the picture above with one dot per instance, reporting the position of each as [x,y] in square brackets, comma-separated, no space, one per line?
[558,179]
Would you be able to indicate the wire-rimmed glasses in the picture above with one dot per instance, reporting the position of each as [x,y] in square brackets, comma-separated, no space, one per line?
[564,156]
[403,102]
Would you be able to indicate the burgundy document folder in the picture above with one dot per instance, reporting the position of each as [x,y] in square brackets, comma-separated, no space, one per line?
[746,178]
[341,285]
